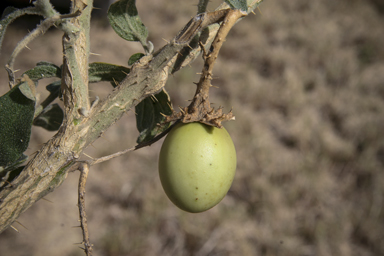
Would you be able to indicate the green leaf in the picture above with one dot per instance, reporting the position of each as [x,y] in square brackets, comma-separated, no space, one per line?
[42,70]
[238,4]
[124,19]
[100,71]
[135,57]
[50,118]
[28,88]
[149,116]
[16,117]
[54,87]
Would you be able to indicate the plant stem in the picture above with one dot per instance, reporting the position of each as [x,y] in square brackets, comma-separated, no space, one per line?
[84,170]
[50,166]
[202,6]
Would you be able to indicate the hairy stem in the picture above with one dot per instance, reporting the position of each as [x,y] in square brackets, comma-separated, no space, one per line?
[50,166]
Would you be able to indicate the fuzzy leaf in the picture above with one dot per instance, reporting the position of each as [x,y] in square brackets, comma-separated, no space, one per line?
[50,118]
[124,19]
[238,4]
[135,57]
[148,116]
[44,70]
[54,87]
[28,88]
[99,71]
[16,117]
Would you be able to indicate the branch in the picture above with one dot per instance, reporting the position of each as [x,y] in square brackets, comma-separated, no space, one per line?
[76,44]
[84,170]
[141,145]
[202,6]
[50,166]
[200,109]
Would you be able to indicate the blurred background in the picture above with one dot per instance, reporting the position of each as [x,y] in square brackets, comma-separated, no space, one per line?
[305,80]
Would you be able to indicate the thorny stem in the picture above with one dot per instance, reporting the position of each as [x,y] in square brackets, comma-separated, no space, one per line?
[40,30]
[84,170]
[48,169]
[200,109]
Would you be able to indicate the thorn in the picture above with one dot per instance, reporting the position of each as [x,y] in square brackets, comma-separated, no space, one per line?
[96,54]
[94,103]
[82,248]
[76,226]
[27,47]
[164,115]
[89,156]
[258,8]
[21,224]
[34,153]
[83,111]
[9,183]
[102,136]
[165,40]
[47,200]
[116,83]
[14,229]
[182,111]
[93,146]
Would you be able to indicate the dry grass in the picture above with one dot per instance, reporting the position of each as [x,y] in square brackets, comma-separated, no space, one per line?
[306,81]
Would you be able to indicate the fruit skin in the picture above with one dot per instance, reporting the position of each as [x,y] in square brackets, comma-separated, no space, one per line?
[197,165]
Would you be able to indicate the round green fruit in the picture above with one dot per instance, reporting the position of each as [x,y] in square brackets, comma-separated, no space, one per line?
[197,165]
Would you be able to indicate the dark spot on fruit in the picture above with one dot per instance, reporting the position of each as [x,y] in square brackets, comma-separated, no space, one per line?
[197,188]
[197,199]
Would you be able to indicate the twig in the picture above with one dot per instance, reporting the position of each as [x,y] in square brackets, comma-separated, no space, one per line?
[202,6]
[84,170]
[60,153]
[141,145]
[200,109]
[39,30]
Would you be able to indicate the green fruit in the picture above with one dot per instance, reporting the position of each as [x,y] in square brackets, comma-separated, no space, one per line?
[197,165]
